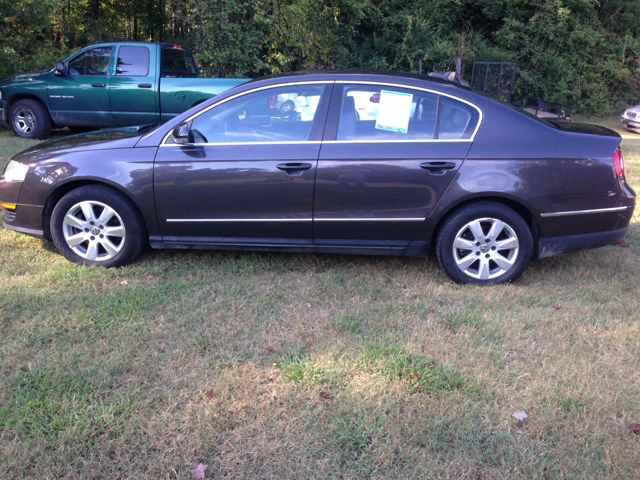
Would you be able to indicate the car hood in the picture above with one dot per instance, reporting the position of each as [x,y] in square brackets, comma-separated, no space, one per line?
[635,109]
[23,77]
[101,140]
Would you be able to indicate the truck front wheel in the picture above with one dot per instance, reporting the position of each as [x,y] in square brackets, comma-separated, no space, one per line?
[30,119]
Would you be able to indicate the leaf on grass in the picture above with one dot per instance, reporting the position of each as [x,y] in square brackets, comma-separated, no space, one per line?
[414,375]
[308,305]
[149,276]
[124,282]
[557,306]
[320,287]
[520,415]
[143,319]
[635,428]
[423,349]
[209,394]
[485,315]
[432,309]
[326,395]
[174,293]
[198,472]
[270,350]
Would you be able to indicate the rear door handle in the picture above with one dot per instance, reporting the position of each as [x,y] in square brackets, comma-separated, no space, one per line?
[98,85]
[294,169]
[144,85]
[438,165]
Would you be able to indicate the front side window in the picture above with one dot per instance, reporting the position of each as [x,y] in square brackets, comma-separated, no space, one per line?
[178,63]
[133,61]
[378,112]
[91,62]
[282,114]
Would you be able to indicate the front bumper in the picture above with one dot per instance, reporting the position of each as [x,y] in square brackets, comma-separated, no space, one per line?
[23,218]
[632,124]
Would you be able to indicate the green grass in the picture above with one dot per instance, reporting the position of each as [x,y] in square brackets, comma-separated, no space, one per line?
[265,365]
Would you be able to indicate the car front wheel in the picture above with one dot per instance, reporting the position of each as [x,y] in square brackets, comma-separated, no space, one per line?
[95,225]
[30,119]
[484,243]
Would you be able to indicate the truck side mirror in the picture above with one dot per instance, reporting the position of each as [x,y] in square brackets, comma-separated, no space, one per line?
[60,69]
[181,133]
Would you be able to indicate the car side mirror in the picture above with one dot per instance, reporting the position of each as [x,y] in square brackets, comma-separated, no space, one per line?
[181,133]
[60,68]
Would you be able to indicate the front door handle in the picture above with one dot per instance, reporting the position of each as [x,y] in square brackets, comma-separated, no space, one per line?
[294,169]
[98,85]
[438,165]
[144,85]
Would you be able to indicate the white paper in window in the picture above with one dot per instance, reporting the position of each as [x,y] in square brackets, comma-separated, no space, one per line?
[394,111]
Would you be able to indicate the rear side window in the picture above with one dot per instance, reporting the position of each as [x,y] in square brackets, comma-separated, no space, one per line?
[378,112]
[178,63]
[133,61]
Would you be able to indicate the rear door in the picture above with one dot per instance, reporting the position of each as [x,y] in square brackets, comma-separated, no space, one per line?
[388,154]
[133,89]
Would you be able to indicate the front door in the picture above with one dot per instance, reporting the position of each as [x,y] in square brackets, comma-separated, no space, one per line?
[247,174]
[81,97]
[133,89]
[388,155]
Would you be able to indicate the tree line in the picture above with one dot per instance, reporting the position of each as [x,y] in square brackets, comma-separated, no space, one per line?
[581,52]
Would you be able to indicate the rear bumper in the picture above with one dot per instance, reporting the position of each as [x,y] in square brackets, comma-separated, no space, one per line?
[574,243]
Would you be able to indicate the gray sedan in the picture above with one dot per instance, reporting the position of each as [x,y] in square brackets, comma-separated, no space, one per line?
[437,170]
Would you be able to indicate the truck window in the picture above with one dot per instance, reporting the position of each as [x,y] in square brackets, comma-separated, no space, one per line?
[91,62]
[178,63]
[133,61]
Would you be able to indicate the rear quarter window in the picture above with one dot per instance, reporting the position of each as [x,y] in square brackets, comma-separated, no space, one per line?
[458,120]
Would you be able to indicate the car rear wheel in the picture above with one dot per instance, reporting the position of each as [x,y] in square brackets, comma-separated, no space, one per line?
[30,119]
[95,225]
[484,243]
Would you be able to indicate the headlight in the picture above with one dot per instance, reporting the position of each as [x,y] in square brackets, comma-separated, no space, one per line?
[15,171]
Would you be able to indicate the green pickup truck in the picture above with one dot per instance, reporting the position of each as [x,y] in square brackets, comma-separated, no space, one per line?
[107,85]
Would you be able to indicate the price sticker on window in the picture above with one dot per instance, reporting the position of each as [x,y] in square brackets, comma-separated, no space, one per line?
[394,111]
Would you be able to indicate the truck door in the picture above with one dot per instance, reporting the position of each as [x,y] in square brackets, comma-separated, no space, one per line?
[133,88]
[81,97]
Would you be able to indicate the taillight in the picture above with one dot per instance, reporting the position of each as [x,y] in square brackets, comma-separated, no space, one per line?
[618,162]
[272,101]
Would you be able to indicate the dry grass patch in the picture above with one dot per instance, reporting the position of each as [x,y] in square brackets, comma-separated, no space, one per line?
[317,366]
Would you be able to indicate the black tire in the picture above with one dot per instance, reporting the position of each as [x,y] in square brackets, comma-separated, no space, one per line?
[30,119]
[484,262]
[288,107]
[86,240]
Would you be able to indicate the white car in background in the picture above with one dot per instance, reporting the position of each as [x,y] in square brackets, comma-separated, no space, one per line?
[631,119]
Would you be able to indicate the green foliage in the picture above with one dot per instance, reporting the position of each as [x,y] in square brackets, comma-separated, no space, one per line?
[582,52]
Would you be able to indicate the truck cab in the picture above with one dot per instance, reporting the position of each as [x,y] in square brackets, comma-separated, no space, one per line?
[107,85]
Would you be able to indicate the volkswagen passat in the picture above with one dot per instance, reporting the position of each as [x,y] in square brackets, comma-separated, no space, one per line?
[438,169]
